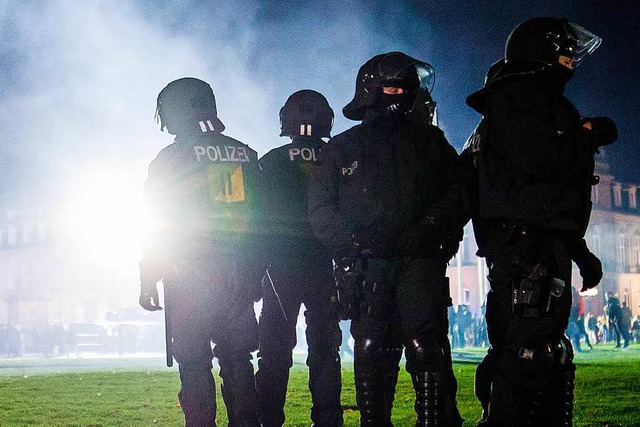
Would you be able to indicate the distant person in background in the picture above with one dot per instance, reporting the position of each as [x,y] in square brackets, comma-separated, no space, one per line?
[593,327]
[626,318]
[453,326]
[603,329]
[616,320]
[635,329]
[582,331]
[463,317]
[576,328]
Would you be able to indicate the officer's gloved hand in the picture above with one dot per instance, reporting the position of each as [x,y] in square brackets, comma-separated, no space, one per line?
[589,265]
[602,130]
[149,299]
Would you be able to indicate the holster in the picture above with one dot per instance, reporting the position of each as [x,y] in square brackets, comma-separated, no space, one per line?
[349,283]
[537,294]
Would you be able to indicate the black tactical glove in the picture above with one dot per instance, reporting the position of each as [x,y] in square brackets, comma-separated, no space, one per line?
[602,130]
[149,299]
[589,265]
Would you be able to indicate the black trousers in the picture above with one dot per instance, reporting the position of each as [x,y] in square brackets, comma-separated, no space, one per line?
[208,303]
[530,358]
[405,302]
[284,291]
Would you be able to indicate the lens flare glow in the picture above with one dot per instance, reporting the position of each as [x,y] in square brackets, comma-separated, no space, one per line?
[102,217]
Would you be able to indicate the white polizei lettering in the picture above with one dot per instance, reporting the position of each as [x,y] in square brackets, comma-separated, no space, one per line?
[223,154]
[309,130]
[301,129]
[210,125]
[293,152]
[200,151]
[212,153]
[306,154]
[242,154]
[226,153]
[203,128]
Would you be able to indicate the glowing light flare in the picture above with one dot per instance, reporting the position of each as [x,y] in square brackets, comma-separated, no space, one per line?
[102,217]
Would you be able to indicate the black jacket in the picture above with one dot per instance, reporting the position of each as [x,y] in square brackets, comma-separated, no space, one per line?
[379,183]
[534,161]
[201,192]
[286,170]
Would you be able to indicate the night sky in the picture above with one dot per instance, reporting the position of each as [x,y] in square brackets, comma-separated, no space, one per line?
[79,79]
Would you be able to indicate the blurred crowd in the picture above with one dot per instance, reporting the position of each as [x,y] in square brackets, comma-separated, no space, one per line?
[616,325]
[55,340]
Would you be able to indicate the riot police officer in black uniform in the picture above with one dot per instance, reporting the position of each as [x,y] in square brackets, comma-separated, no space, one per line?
[300,270]
[385,201]
[202,191]
[533,157]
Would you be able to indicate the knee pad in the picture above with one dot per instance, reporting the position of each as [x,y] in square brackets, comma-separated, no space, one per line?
[367,349]
[422,357]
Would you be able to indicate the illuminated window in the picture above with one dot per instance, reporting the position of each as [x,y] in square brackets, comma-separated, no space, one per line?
[617,195]
[623,251]
[632,197]
[635,249]
[595,195]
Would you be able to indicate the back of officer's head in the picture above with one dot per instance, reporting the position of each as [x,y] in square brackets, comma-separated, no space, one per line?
[306,113]
[187,106]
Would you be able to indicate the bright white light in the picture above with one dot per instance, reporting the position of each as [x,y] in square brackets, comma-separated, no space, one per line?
[102,217]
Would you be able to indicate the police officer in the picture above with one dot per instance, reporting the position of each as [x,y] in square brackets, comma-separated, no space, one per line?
[202,190]
[300,271]
[533,157]
[384,200]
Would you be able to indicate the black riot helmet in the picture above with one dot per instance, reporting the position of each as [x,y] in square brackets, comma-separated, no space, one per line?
[550,41]
[187,106]
[391,84]
[306,113]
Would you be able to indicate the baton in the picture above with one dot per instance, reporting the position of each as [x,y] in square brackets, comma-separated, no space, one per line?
[273,286]
[168,333]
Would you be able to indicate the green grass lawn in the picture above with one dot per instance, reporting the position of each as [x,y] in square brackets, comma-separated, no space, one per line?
[140,392]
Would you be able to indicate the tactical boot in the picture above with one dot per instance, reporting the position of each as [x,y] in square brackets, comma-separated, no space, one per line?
[429,404]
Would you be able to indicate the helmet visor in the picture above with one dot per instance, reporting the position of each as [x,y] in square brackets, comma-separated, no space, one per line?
[585,42]
[427,76]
